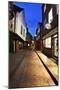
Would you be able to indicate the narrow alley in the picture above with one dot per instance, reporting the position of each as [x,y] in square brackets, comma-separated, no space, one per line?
[33,44]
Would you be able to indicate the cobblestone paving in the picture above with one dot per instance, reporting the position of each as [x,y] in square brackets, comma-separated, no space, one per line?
[30,73]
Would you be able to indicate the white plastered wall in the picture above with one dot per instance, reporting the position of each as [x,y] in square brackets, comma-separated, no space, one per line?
[20,21]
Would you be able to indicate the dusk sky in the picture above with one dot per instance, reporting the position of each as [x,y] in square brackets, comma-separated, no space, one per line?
[33,14]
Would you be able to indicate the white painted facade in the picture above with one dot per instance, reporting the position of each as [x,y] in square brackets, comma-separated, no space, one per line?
[20,24]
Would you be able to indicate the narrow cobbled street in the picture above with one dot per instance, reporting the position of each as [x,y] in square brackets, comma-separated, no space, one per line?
[33,44]
[29,71]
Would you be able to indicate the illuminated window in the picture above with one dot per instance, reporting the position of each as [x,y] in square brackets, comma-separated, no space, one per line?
[50,16]
[57,7]
[48,42]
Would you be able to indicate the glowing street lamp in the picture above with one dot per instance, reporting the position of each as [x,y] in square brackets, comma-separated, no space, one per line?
[48,26]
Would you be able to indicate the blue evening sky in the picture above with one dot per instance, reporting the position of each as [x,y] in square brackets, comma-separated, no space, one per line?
[33,15]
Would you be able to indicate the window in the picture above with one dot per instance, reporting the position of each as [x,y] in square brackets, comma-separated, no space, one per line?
[24,33]
[21,29]
[47,42]
[56,47]
[50,16]
[57,6]
[11,25]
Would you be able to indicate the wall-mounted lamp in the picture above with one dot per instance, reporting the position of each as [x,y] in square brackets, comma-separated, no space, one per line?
[48,26]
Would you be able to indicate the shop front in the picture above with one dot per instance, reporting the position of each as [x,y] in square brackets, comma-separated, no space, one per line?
[15,42]
[55,46]
[50,47]
[47,46]
[50,44]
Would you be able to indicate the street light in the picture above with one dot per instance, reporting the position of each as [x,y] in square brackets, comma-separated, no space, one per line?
[35,35]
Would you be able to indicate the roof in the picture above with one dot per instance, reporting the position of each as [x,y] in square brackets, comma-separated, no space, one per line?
[17,9]
[13,8]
